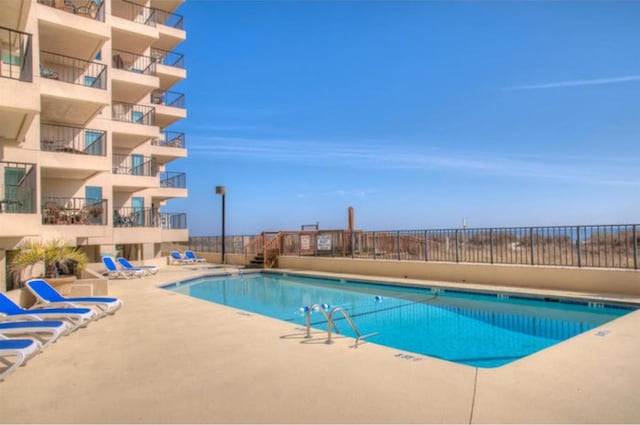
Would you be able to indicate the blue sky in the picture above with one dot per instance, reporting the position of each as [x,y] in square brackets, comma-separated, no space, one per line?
[415,113]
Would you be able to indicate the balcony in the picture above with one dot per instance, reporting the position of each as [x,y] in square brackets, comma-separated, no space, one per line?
[169,147]
[134,165]
[170,107]
[174,227]
[133,25]
[18,216]
[170,29]
[73,89]
[18,191]
[74,211]
[20,100]
[136,225]
[92,9]
[171,67]
[133,75]
[78,34]
[172,185]
[133,113]
[136,217]
[84,141]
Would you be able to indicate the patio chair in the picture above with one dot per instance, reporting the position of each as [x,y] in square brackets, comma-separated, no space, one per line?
[114,272]
[179,259]
[126,265]
[47,296]
[38,329]
[74,317]
[21,349]
[48,73]
[192,256]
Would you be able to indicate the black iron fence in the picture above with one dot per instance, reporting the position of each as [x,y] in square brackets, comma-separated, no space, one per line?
[168,19]
[135,165]
[233,244]
[168,58]
[171,139]
[168,98]
[73,70]
[133,12]
[93,9]
[15,55]
[66,210]
[133,62]
[58,138]
[18,190]
[133,113]
[608,246]
[174,220]
[173,180]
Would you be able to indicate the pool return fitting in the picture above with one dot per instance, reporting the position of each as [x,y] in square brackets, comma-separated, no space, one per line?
[331,323]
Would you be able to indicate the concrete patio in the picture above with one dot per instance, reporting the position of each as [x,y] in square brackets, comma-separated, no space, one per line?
[169,358]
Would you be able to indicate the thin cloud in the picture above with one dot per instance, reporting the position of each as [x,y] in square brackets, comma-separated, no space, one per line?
[396,157]
[577,83]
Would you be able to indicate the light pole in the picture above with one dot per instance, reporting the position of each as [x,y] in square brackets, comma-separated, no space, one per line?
[221,190]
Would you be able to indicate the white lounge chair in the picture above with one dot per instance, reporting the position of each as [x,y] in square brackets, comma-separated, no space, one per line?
[114,272]
[45,331]
[126,265]
[74,317]
[190,255]
[21,349]
[177,258]
[47,297]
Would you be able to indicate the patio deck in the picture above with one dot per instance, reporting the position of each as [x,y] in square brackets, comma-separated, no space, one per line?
[169,358]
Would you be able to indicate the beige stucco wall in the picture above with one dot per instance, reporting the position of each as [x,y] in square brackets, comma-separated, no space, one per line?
[601,281]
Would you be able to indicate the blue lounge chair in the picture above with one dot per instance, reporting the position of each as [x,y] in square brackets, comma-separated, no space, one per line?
[38,329]
[47,296]
[126,265]
[190,255]
[21,349]
[74,317]
[114,272]
[177,258]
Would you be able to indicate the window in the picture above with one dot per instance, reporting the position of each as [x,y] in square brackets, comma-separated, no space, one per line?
[93,142]
[93,194]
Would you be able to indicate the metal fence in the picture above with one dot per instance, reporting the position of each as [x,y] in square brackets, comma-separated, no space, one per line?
[133,113]
[133,62]
[233,244]
[609,246]
[73,70]
[59,138]
[16,61]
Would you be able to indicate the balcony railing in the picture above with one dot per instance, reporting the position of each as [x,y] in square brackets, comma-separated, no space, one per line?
[133,12]
[18,191]
[136,217]
[168,19]
[133,113]
[171,139]
[59,210]
[168,98]
[73,70]
[173,180]
[135,165]
[133,62]
[174,220]
[93,9]
[58,138]
[168,58]
[15,55]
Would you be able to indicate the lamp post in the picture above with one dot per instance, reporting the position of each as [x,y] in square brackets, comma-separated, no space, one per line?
[221,190]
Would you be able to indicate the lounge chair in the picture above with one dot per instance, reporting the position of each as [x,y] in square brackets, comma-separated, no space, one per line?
[47,297]
[190,255]
[126,265]
[38,329]
[21,349]
[114,272]
[74,317]
[177,258]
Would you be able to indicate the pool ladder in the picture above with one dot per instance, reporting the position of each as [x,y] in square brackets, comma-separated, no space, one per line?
[331,324]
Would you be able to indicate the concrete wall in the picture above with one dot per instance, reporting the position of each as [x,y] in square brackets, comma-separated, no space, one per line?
[601,281]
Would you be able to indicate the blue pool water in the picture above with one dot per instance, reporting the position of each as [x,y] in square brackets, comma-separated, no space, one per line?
[476,329]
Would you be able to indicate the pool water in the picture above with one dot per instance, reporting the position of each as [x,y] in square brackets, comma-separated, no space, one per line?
[475,329]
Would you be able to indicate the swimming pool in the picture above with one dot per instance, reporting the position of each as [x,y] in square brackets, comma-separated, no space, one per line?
[475,329]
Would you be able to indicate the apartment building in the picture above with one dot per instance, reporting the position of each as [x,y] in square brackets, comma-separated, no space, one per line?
[89,125]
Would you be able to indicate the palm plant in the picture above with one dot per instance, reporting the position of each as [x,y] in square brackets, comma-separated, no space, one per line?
[55,255]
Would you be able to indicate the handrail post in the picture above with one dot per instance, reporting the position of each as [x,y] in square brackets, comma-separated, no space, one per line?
[426,246]
[398,244]
[491,244]
[579,247]
[457,248]
[532,250]
[375,249]
[635,247]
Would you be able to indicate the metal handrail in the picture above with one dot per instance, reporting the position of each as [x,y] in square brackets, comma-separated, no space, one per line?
[59,138]
[172,139]
[15,55]
[72,70]
[173,179]
[168,58]
[344,313]
[316,307]
[133,12]
[133,113]
[133,62]
[168,98]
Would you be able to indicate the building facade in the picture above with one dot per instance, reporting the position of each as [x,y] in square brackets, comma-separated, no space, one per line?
[89,125]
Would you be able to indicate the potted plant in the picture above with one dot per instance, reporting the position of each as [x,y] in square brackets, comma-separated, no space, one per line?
[55,258]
